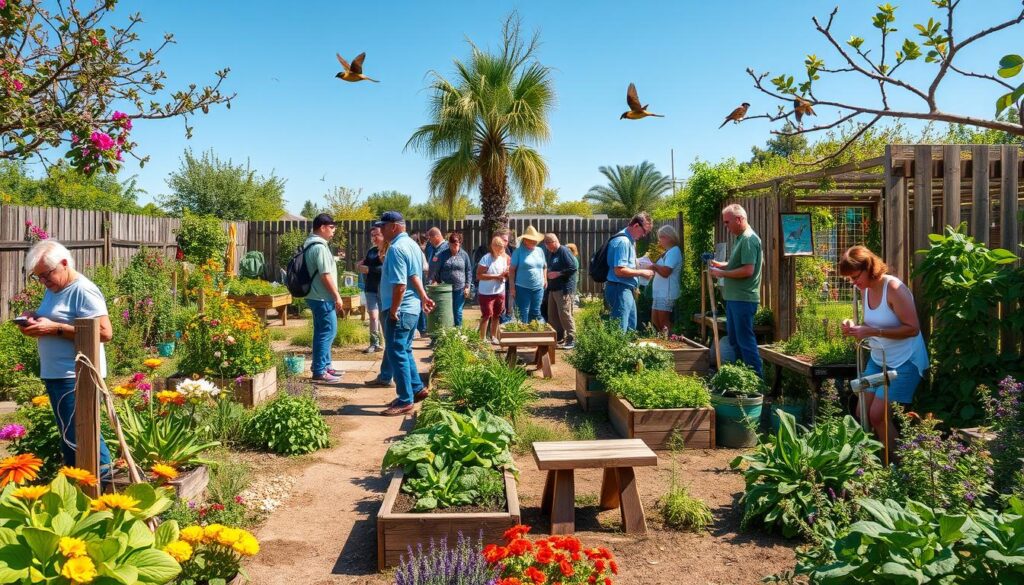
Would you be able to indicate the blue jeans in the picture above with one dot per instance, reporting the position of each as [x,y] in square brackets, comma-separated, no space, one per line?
[398,359]
[62,400]
[325,328]
[622,303]
[421,325]
[739,326]
[528,303]
[458,301]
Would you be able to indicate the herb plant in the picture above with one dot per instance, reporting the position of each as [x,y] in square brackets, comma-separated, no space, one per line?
[493,385]
[633,357]
[531,327]
[595,341]
[660,389]
[440,565]
[737,380]
[254,287]
[1005,416]
[287,425]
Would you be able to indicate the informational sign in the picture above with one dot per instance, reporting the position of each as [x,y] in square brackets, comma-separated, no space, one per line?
[797,234]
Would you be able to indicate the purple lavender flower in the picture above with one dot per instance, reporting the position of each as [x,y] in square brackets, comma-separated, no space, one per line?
[969,496]
[439,564]
[859,472]
[11,432]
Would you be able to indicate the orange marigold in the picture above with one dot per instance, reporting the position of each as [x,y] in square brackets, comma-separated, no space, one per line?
[494,553]
[516,531]
[81,476]
[535,575]
[19,468]
[164,472]
[510,581]
[170,397]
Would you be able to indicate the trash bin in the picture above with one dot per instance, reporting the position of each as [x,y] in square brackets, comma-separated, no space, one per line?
[442,315]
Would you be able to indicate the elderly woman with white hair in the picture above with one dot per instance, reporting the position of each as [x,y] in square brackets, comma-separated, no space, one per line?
[666,279]
[69,295]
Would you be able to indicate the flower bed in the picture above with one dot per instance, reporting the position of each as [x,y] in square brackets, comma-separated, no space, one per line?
[249,391]
[655,405]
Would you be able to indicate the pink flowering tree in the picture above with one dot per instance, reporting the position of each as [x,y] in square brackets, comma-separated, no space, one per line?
[70,83]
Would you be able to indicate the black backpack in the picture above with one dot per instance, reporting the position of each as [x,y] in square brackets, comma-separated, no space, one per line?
[599,262]
[298,279]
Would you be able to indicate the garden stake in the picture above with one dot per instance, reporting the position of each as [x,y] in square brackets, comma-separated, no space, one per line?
[706,257]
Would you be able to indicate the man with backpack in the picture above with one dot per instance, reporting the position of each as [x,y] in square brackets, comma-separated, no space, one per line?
[323,298]
[615,263]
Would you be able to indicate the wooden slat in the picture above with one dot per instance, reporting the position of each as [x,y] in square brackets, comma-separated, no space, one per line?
[591,454]
[980,201]
[951,185]
[895,227]
[922,224]
[1009,235]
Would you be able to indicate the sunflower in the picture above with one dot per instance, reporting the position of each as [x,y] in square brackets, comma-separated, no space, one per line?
[19,468]
[41,400]
[33,492]
[81,476]
[165,472]
[114,502]
[79,570]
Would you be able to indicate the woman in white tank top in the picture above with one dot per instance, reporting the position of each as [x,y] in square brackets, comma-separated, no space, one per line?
[892,329]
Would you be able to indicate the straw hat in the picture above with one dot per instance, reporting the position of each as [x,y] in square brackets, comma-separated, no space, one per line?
[531,233]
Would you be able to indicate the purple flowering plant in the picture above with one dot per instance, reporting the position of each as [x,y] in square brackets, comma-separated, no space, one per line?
[1005,417]
[463,564]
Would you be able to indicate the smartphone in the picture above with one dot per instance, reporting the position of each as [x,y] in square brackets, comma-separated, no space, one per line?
[21,321]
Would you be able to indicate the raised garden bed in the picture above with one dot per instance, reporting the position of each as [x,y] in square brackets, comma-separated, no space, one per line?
[249,391]
[689,356]
[396,532]
[546,336]
[189,485]
[263,303]
[590,393]
[696,426]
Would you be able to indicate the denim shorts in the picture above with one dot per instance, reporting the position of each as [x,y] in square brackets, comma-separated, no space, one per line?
[902,388]
[663,304]
[372,301]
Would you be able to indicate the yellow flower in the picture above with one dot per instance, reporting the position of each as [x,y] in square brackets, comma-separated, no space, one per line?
[165,472]
[211,531]
[247,545]
[79,570]
[41,400]
[82,476]
[153,363]
[114,502]
[72,547]
[33,492]
[179,550]
[123,391]
[170,396]
[228,536]
[192,534]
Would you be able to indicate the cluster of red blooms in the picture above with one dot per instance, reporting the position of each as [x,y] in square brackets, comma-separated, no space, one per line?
[556,560]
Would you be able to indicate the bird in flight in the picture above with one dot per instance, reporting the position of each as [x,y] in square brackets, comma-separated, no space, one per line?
[324,178]
[636,111]
[353,72]
[802,108]
[736,115]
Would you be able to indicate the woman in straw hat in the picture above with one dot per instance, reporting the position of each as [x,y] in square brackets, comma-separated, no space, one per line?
[529,274]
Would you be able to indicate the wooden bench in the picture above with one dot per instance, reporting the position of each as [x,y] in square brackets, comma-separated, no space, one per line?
[617,457]
[543,356]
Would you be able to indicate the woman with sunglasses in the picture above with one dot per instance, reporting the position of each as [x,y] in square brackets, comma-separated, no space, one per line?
[69,296]
[892,330]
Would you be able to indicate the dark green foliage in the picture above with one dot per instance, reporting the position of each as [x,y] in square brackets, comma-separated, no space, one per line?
[224,421]
[737,379]
[492,385]
[210,186]
[287,425]
[660,389]
[595,339]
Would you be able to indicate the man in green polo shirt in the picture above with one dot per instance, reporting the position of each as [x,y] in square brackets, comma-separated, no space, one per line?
[742,288]
[323,298]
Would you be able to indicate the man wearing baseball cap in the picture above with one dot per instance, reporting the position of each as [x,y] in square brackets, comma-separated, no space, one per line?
[402,298]
[323,298]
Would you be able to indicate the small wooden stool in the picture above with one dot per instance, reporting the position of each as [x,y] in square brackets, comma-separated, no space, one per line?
[617,457]
[543,356]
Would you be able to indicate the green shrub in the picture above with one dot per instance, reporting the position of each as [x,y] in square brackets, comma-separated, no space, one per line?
[288,244]
[660,389]
[595,342]
[202,238]
[287,425]
[19,356]
[349,333]
[224,421]
[682,511]
[455,347]
[493,385]
[737,379]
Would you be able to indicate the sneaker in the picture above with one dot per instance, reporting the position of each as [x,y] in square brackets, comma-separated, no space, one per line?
[334,372]
[398,410]
[570,345]
[327,378]
[378,383]
[371,349]
[377,349]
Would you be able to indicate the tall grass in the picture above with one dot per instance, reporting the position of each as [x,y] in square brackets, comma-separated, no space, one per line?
[349,333]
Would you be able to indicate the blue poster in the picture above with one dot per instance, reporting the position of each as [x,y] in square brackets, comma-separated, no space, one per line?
[797,234]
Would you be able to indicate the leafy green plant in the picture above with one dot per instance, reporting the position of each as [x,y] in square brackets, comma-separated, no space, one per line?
[1010,66]
[682,511]
[348,291]
[595,341]
[224,421]
[737,379]
[788,478]
[288,244]
[660,389]
[445,463]
[288,425]
[633,357]
[764,317]
[254,287]
[1005,417]
[163,434]
[202,238]
[963,281]
[531,327]
[493,385]
[226,341]
[456,347]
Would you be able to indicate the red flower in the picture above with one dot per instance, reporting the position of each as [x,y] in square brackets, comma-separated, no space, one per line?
[614,566]
[544,554]
[535,575]
[566,569]
[599,565]
[510,581]
[592,579]
[607,581]
[516,531]
[19,367]
[520,546]
[494,553]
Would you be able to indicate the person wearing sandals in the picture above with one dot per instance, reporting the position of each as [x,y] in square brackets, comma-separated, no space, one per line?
[371,267]
[402,299]
[69,296]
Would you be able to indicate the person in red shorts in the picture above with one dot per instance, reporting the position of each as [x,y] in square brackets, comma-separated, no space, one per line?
[492,272]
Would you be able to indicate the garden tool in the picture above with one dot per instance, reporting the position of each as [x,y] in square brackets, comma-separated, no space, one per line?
[353,72]
[864,384]
[736,115]
[708,283]
[636,111]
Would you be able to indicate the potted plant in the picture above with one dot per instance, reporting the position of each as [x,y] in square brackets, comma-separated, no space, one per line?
[737,395]
[296,363]
[533,331]
[658,405]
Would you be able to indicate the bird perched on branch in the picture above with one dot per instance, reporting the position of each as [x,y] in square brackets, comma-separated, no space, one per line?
[802,108]
[636,111]
[736,115]
[353,72]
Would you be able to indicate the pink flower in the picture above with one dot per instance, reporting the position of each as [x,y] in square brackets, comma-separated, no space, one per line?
[3,4]
[101,140]
[11,432]
[19,367]
[138,377]
[124,120]
[144,386]
[18,86]
[240,379]
[95,42]
[125,315]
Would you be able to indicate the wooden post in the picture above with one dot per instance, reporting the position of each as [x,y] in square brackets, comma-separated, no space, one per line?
[202,300]
[980,208]
[895,224]
[922,225]
[1008,236]
[951,185]
[87,406]
[108,251]
[785,319]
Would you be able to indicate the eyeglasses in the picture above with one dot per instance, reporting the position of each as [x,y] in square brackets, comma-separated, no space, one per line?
[853,279]
[45,275]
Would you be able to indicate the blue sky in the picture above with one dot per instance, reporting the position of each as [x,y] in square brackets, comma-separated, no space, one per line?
[688,59]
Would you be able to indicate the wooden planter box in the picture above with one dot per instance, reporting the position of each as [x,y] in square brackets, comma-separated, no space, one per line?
[655,427]
[349,303]
[692,358]
[263,303]
[590,393]
[189,485]
[548,336]
[397,532]
[249,391]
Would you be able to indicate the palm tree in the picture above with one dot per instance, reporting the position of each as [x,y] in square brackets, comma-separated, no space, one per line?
[484,121]
[630,189]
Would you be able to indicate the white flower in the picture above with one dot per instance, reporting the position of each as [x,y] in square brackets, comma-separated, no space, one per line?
[198,389]
[216,354]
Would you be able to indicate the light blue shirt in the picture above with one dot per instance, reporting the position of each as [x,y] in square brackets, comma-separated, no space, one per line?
[79,299]
[668,287]
[404,259]
[622,252]
[529,267]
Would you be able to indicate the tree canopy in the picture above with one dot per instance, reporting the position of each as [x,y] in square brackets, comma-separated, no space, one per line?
[630,189]
[64,186]
[210,186]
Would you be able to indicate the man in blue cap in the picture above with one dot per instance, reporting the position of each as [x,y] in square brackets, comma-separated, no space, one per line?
[402,298]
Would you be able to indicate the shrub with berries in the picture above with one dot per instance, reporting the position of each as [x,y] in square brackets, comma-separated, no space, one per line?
[555,559]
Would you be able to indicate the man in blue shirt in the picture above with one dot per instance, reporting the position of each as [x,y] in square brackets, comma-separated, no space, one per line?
[622,270]
[401,298]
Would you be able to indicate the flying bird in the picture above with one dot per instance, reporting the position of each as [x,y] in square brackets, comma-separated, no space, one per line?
[353,72]
[636,111]
[802,108]
[324,178]
[736,115]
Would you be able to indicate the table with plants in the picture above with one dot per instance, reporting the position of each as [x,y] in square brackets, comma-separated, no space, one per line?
[535,334]
[261,296]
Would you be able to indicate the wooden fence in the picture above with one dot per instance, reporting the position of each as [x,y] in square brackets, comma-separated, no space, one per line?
[95,238]
[587,234]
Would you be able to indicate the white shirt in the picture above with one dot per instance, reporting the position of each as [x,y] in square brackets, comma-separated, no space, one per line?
[668,288]
[494,267]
